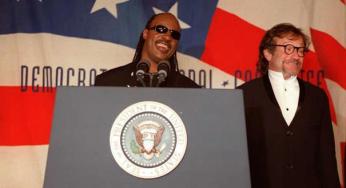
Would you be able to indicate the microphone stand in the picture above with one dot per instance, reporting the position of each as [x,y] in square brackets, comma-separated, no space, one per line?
[140,78]
[162,71]
[151,80]
[160,78]
[141,70]
[161,75]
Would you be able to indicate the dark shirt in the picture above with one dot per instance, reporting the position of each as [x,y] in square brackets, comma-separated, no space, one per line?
[126,76]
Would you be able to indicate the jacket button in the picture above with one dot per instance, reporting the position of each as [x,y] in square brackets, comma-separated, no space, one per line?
[289,133]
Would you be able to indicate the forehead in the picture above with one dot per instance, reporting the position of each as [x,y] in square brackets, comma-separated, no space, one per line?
[290,39]
[166,20]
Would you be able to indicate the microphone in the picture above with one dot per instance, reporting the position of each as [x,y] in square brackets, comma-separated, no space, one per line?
[162,71]
[141,69]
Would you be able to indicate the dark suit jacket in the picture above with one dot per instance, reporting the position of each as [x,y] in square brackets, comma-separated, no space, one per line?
[125,76]
[301,155]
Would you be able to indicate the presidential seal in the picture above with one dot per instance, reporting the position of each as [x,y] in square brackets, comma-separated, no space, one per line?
[148,139]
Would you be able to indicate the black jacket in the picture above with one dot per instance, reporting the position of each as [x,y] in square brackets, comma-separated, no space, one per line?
[125,76]
[301,155]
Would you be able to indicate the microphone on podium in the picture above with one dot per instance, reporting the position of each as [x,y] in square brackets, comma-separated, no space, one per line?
[162,71]
[142,68]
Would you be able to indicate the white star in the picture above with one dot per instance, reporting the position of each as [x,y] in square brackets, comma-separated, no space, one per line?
[174,11]
[109,5]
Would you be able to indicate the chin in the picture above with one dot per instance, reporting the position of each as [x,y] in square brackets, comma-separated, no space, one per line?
[163,58]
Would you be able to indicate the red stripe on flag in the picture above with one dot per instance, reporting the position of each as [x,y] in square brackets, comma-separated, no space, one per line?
[25,117]
[331,55]
[232,43]
[312,72]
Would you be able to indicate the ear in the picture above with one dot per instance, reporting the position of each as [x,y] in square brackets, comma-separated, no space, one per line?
[145,34]
[267,54]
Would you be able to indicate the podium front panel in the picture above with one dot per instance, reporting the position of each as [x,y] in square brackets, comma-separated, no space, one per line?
[80,155]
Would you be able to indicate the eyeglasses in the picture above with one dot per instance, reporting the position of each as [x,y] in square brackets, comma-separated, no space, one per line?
[163,29]
[289,49]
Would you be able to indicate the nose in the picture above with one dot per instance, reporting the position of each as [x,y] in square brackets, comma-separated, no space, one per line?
[167,36]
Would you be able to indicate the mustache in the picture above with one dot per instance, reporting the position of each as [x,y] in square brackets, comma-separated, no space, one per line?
[293,62]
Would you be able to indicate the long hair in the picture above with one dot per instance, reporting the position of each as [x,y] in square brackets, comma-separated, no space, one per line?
[138,53]
[280,31]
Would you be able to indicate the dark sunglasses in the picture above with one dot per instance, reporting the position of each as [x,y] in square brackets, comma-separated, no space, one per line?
[163,29]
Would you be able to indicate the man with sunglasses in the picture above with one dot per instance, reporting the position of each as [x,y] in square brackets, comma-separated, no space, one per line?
[289,130]
[157,45]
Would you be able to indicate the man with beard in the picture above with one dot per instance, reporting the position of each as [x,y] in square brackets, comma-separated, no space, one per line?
[157,46]
[289,130]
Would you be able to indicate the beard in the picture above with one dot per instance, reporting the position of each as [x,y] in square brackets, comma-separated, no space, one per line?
[291,67]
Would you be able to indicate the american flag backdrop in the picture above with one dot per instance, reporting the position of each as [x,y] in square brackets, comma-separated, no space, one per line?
[49,43]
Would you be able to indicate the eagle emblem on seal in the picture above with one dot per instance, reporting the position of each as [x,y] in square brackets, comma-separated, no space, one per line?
[148,139]
[148,136]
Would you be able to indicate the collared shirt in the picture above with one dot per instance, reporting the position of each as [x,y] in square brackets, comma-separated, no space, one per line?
[286,93]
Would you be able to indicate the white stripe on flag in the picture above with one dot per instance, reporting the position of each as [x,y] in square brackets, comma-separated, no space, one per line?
[338,94]
[22,166]
[220,79]
[330,17]
[45,49]
[324,15]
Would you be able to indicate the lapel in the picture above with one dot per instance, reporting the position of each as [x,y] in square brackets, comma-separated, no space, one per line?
[271,96]
[269,91]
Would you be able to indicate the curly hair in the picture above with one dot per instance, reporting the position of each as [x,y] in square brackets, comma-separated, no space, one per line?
[279,31]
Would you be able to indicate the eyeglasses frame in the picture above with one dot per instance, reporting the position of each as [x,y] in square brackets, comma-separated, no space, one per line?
[294,47]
